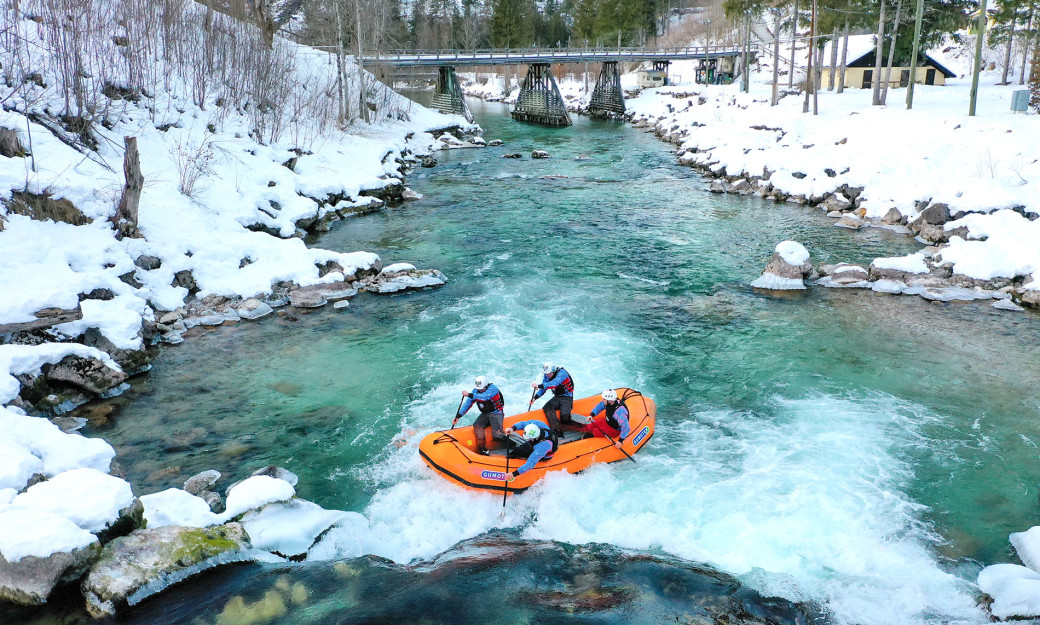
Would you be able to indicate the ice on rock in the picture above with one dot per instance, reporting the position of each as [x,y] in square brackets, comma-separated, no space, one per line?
[256,492]
[87,497]
[1015,590]
[289,528]
[174,506]
[343,540]
[888,286]
[793,252]
[32,532]
[774,282]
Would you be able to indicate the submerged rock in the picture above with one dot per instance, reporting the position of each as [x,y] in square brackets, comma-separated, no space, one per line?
[254,309]
[139,565]
[539,154]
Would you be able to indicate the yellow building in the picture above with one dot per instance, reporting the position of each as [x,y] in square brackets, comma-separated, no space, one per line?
[859,73]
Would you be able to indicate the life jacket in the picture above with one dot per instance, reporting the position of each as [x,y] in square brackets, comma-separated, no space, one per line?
[567,386]
[495,403]
[546,435]
[609,410]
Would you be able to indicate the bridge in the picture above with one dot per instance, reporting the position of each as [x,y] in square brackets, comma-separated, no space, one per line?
[539,100]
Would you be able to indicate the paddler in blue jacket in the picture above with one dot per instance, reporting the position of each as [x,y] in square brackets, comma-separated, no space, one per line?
[614,422]
[540,443]
[491,404]
[557,379]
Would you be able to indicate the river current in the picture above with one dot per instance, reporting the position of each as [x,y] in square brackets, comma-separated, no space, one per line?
[863,452]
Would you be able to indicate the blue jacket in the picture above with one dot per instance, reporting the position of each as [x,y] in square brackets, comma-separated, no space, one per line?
[540,449]
[490,397]
[552,381]
[621,415]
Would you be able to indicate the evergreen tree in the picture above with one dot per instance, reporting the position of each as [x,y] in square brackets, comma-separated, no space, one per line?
[512,23]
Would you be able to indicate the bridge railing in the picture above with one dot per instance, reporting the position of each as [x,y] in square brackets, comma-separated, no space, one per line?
[549,55]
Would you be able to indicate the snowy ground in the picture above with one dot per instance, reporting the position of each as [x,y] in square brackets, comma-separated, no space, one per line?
[216,203]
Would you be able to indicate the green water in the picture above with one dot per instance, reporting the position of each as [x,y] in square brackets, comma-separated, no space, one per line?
[862,451]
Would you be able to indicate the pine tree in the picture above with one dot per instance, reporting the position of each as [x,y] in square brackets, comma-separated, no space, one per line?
[512,23]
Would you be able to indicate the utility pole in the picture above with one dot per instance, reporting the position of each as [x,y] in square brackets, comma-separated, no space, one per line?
[913,58]
[978,57]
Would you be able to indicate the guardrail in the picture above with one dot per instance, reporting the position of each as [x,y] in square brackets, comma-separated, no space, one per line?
[525,56]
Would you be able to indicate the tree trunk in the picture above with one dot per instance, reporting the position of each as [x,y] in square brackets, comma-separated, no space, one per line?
[360,64]
[1007,53]
[126,214]
[817,73]
[844,57]
[876,81]
[794,40]
[891,52]
[776,62]
[834,60]
[810,79]
[1025,47]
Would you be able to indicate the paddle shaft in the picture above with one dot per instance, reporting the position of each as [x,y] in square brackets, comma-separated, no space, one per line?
[457,415]
[531,403]
[505,481]
[621,448]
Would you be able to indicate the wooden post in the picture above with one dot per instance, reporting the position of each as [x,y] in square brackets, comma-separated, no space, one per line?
[126,214]
[978,58]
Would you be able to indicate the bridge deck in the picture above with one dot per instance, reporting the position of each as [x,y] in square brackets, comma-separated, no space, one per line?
[532,55]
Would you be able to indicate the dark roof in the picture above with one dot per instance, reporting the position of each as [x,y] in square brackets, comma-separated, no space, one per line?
[868,61]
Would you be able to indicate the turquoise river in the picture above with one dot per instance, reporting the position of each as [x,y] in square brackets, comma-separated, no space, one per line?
[862,453]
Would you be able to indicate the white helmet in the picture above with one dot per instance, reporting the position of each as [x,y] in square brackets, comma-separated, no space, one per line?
[481,383]
[610,395]
[548,367]
[531,431]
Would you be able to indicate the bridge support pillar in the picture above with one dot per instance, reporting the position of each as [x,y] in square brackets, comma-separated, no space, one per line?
[607,98]
[662,66]
[447,97]
[540,100]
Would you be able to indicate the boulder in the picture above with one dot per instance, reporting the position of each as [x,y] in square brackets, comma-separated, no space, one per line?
[514,155]
[409,194]
[148,263]
[406,279]
[307,298]
[1027,298]
[30,580]
[892,217]
[845,274]
[539,154]
[9,145]
[254,309]
[717,186]
[201,481]
[936,214]
[184,279]
[270,470]
[134,567]
[849,221]
[494,143]
[171,318]
[740,185]
[787,269]
[89,374]
[836,202]
[428,161]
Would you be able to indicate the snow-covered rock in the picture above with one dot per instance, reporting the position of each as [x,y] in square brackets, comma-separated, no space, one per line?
[174,506]
[89,498]
[1015,590]
[289,528]
[57,450]
[405,280]
[256,492]
[38,551]
[148,560]
[787,269]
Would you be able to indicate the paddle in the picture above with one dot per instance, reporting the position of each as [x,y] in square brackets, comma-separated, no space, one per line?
[531,403]
[457,415]
[621,448]
[505,480]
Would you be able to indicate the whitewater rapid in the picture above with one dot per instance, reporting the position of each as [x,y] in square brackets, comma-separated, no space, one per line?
[802,497]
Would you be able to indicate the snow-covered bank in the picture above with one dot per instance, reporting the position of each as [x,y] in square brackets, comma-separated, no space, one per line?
[218,238]
[967,186]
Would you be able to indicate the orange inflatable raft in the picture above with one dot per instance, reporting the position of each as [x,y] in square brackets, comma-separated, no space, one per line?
[453,453]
